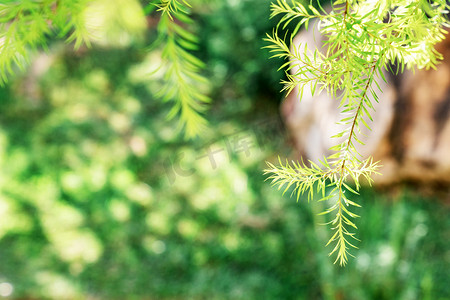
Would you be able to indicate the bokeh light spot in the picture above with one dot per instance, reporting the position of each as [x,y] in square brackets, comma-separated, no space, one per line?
[6,289]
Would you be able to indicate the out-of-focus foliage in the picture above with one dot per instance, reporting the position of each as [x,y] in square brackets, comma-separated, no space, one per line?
[100,199]
[115,23]
[231,43]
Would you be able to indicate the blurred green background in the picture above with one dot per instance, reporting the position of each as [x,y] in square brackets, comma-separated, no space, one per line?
[101,199]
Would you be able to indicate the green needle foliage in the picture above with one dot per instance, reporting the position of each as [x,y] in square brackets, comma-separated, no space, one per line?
[362,38]
[27,25]
[182,78]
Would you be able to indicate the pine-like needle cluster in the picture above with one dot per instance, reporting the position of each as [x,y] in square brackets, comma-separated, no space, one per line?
[362,38]
[27,25]
[182,77]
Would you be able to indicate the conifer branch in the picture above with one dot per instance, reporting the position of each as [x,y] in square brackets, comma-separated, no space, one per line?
[182,70]
[27,25]
[360,44]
